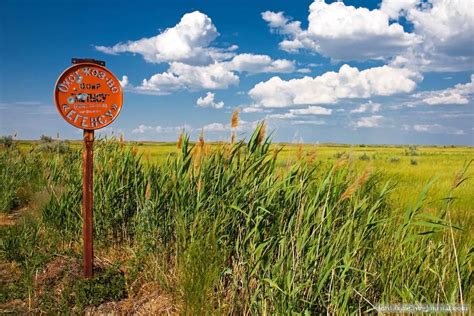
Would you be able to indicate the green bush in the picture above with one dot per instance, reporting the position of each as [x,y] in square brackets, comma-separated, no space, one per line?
[6,141]
[394,159]
[364,156]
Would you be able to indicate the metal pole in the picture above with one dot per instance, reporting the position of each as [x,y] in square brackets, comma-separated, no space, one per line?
[88,202]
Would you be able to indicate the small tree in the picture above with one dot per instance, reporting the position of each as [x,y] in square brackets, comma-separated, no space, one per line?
[6,141]
[46,139]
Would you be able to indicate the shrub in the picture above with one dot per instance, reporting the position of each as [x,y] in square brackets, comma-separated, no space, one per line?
[46,139]
[411,151]
[413,162]
[364,157]
[6,141]
[340,154]
[394,159]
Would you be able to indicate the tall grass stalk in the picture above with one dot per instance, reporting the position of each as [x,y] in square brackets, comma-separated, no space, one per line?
[236,234]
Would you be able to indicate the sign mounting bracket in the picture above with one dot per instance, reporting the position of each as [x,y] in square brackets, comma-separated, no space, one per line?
[87,60]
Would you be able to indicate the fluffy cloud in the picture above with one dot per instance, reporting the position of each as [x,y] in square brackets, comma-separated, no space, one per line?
[296,115]
[440,40]
[124,81]
[183,76]
[343,32]
[312,110]
[259,63]
[188,41]
[141,129]
[459,94]
[369,122]
[218,75]
[331,86]
[281,24]
[437,129]
[309,122]
[208,101]
[220,127]
[393,8]
[193,62]
[366,107]
[446,27]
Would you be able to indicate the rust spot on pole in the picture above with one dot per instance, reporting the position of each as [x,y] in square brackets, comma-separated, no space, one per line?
[88,202]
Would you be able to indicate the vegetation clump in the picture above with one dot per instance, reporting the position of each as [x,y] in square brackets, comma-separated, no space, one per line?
[227,230]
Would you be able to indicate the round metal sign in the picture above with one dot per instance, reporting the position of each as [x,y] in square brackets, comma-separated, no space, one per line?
[88,96]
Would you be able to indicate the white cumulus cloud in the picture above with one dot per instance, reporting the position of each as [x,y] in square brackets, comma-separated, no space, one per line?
[437,129]
[124,81]
[367,107]
[217,75]
[459,94]
[331,86]
[208,101]
[188,41]
[193,62]
[369,121]
[142,128]
[182,76]
[343,32]
[259,63]
[446,27]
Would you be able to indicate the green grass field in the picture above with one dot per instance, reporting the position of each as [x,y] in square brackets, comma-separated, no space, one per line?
[243,228]
[437,163]
[440,164]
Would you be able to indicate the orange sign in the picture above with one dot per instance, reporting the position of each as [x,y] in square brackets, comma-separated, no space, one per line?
[88,96]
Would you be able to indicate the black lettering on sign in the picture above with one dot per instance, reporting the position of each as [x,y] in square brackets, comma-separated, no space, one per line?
[90,86]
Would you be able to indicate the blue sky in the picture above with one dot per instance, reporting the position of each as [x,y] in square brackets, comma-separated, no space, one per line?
[374,72]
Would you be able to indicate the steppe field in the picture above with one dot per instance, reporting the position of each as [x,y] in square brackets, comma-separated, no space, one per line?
[242,227]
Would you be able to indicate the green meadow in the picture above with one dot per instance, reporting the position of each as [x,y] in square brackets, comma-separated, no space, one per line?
[410,167]
[244,227]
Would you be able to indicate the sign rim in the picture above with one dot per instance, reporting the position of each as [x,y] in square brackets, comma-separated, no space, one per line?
[56,102]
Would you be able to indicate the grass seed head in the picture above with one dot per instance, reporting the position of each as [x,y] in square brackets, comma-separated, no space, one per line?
[179,144]
[234,121]
[262,133]
[121,139]
[299,152]
[148,190]
[357,184]
[201,139]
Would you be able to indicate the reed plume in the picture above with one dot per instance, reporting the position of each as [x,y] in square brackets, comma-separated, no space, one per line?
[179,144]
[262,133]
[234,121]
[357,184]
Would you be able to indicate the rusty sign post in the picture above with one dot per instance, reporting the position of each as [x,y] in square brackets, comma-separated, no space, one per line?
[88,96]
